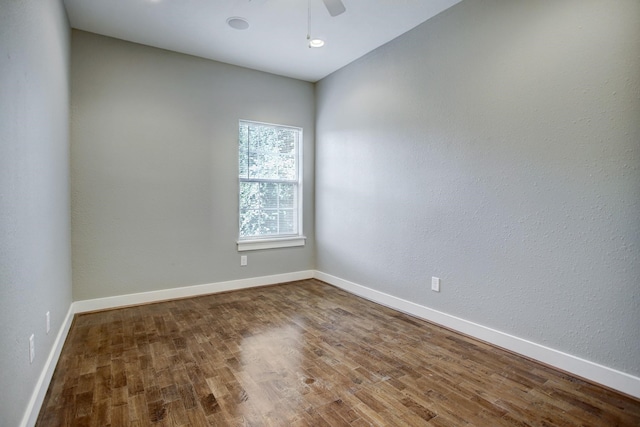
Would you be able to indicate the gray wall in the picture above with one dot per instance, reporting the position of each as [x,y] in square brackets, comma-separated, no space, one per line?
[496,146]
[154,167]
[35,249]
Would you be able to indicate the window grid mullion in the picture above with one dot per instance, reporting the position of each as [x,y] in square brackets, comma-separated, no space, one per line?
[270,181]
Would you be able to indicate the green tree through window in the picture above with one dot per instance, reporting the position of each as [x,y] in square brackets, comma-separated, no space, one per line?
[269,180]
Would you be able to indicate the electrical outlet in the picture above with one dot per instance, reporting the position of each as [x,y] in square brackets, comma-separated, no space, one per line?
[243,260]
[32,348]
[435,284]
[48,316]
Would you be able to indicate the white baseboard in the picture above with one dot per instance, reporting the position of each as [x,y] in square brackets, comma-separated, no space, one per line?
[187,291]
[591,371]
[37,397]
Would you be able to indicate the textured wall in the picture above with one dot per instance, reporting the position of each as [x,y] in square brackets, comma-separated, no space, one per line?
[154,167]
[35,250]
[496,146]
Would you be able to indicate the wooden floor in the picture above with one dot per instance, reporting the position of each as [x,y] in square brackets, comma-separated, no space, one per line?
[303,354]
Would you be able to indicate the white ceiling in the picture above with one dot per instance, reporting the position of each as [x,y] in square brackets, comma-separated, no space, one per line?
[275,41]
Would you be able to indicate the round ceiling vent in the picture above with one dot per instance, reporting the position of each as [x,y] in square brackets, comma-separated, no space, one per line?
[238,23]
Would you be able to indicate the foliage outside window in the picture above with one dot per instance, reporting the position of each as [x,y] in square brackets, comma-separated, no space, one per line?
[270,184]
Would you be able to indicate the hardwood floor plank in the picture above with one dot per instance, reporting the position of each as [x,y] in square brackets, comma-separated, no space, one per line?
[138,410]
[101,413]
[119,415]
[304,354]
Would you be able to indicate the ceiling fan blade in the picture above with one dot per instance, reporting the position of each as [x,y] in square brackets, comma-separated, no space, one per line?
[335,7]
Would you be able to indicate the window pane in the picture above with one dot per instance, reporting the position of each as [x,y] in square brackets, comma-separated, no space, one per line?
[286,195]
[286,221]
[243,150]
[270,223]
[252,222]
[250,197]
[287,166]
[269,195]
[264,165]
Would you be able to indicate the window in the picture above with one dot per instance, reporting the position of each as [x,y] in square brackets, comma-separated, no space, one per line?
[270,186]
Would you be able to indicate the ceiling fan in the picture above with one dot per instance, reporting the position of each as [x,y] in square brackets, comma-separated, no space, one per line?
[335,7]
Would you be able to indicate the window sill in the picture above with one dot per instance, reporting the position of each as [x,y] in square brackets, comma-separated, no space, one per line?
[271,243]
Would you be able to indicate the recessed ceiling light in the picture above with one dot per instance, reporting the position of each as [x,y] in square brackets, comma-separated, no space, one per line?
[316,43]
[238,23]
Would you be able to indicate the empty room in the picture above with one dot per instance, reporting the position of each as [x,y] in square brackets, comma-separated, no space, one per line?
[319,213]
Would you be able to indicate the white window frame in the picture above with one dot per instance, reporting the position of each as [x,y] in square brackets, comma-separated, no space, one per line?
[274,241]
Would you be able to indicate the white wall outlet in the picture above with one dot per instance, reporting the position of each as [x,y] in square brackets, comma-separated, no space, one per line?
[435,284]
[32,348]
[243,260]
[48,317]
